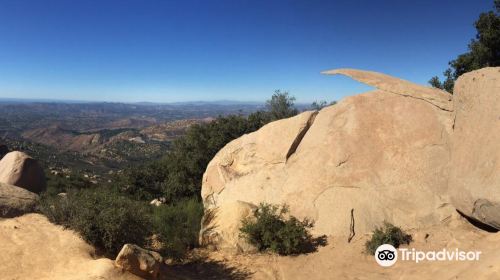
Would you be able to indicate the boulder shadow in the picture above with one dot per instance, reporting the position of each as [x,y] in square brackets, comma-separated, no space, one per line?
[203,268]
[478,224]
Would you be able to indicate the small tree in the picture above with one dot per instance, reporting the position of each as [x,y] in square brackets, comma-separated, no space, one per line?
[281,105]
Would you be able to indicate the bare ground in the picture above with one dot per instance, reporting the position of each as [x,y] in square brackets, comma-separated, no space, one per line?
[33,248]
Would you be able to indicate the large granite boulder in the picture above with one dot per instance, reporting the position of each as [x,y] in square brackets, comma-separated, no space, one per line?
[379,156]
[16,201]
[18,169]
[475,146]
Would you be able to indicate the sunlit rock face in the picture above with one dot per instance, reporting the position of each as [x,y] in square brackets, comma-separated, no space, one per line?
[379,156]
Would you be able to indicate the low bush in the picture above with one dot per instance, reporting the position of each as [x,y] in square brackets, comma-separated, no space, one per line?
[272,230]
[178,227]
[388,234]
[60,183]
[57,209]
[103,217]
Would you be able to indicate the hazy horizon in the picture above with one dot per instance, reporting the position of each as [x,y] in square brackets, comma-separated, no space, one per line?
[188,51]
[49,100]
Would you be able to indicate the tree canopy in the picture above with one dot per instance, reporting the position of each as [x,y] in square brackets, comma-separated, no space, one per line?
[281,105]
[483,50]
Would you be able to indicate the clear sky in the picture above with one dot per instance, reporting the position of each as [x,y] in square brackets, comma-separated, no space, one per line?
[163,51]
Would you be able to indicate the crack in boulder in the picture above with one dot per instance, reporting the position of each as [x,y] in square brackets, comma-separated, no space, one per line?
[300,136]
[342,162]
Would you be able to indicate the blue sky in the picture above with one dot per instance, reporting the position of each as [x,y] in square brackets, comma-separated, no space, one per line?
[163,51]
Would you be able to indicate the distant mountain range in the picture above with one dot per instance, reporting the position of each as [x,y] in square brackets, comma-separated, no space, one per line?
[182,103]
[258,104]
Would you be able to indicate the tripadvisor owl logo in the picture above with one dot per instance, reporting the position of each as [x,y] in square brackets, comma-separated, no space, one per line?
[386,255]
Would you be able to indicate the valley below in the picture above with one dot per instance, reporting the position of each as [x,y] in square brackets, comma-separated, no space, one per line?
[98,139]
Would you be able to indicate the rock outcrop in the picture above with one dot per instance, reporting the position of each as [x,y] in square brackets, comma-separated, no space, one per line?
[394,85]
[34,248]
[475,146]
[16,201]
[385,155]
[18,169]
[139,261]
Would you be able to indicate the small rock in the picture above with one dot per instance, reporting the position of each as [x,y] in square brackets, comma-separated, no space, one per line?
[139,261]
[158,201]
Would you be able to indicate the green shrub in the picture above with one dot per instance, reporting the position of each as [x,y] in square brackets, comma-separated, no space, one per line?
[103,218]
[143,183]
[178,227]
[388,234]
[57,209]
[60,183]
[271,230]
